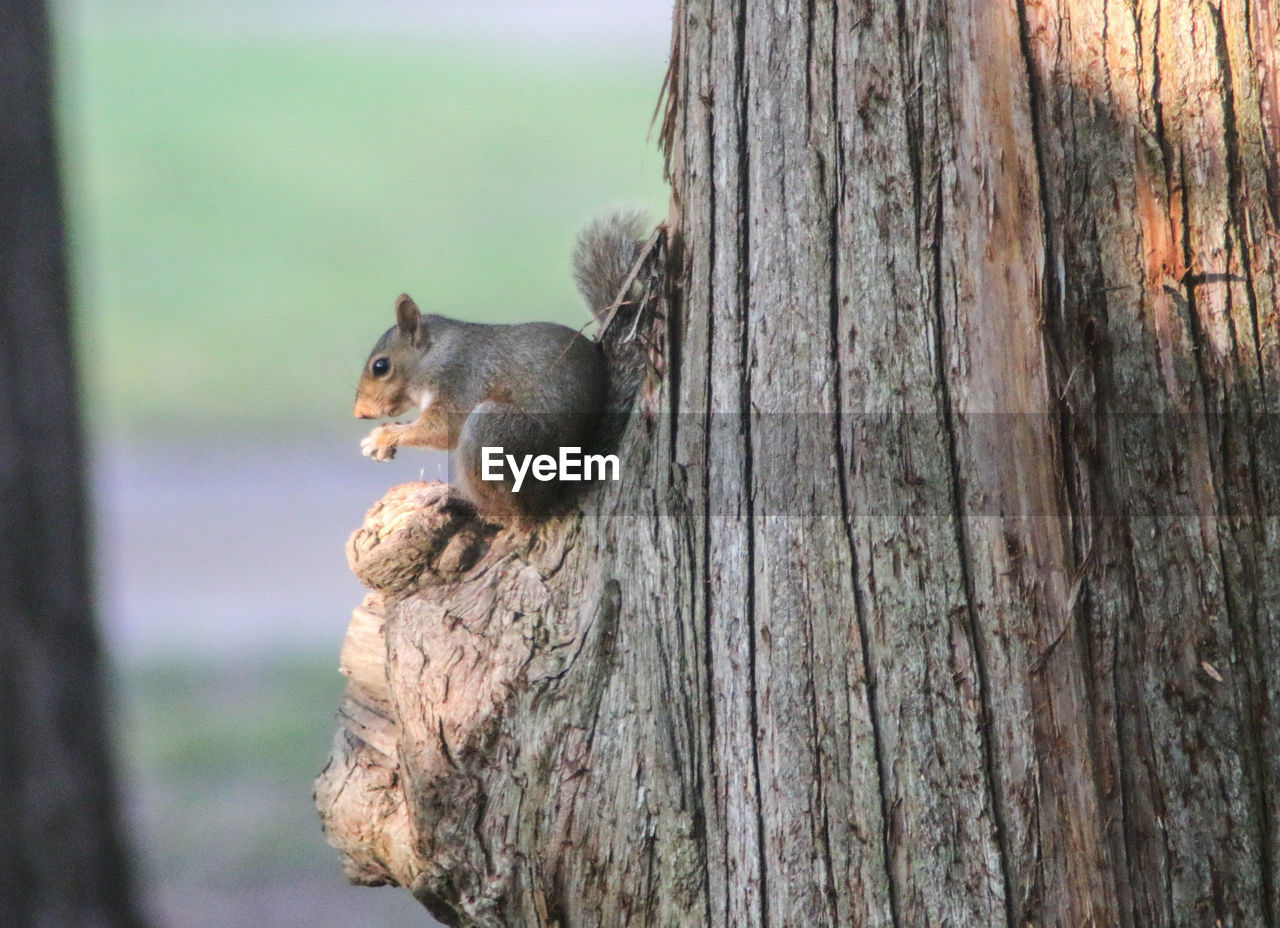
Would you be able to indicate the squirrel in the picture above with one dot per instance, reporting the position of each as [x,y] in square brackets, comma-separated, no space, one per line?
[530,389]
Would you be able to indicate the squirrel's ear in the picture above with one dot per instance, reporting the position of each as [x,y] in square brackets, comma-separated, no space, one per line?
[410,322]
[407,315]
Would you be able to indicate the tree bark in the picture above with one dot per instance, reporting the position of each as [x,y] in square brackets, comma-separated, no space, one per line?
[941,587]
[61,859]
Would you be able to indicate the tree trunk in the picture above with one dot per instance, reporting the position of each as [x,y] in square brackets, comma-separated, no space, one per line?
[941,587]
[61,860]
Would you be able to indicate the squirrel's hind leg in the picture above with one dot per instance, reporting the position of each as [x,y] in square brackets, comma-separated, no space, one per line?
[505,433]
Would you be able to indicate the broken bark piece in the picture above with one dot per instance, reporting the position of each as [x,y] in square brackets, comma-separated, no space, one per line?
[459,625]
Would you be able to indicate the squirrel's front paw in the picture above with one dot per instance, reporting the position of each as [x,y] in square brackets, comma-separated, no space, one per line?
[380,444]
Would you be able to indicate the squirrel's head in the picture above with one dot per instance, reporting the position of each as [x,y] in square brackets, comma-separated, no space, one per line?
[388,374]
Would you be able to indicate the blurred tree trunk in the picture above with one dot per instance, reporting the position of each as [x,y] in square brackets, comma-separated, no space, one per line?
[61,861]
[952,594]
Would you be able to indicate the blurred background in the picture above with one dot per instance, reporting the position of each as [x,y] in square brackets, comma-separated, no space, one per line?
[249,186]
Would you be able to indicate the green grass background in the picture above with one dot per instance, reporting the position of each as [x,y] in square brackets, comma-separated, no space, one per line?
[245,208]
[220,758]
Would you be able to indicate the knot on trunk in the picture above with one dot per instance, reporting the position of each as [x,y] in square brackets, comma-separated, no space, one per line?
[461,631]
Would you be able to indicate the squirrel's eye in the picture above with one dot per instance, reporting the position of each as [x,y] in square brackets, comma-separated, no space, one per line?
[380,366]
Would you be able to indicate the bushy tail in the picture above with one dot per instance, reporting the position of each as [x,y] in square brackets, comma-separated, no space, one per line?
[604,255]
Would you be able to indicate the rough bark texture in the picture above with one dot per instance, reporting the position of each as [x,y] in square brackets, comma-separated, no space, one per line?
[950,595]
[61,862]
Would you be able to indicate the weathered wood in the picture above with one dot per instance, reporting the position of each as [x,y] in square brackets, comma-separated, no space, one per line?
[941,587]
